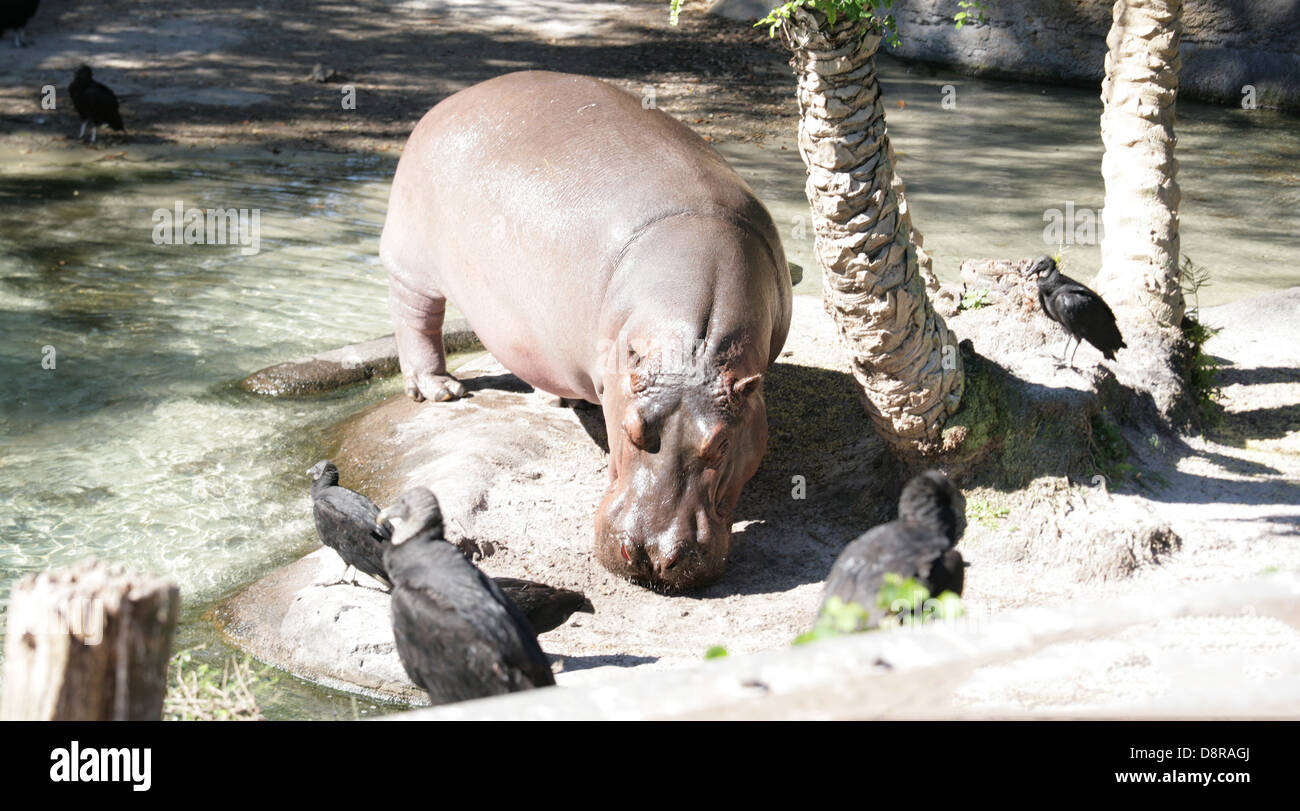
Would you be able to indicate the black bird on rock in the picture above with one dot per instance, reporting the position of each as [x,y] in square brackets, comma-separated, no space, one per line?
[347,522]
[94,102]
[918,544]
[1077,308]
[457,633]
[14,15]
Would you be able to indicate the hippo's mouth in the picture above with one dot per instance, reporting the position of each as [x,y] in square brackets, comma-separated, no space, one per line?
[689,564]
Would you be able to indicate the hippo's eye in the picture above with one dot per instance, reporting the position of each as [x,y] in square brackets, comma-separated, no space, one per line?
[715,447]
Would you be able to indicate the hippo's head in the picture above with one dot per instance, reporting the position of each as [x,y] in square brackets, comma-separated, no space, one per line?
[684,437]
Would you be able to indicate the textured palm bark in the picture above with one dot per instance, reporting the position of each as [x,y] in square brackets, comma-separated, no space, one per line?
[875,273]
[1140,248]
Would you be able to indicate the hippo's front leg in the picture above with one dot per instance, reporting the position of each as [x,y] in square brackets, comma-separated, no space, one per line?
[417,321]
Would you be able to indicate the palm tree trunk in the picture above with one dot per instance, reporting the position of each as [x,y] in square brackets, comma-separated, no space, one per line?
[904,356]
[1140,248]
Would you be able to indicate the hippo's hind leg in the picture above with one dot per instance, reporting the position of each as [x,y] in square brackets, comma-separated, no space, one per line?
[417,321]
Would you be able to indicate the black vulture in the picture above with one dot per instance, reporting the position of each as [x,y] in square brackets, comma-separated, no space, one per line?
[1077,308]
[918,544]
[94,102]
[347,522]
[546,607]
[457,633]
[14,15]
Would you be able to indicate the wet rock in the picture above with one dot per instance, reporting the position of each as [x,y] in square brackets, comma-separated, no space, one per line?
[299,619]
[327,371]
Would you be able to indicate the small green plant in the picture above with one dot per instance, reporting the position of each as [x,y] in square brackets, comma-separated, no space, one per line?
[974,299]
[875,12]
[716,652]
[1109,450]
[947,606]
[901,595]
[201,692]
[1203,369]
[969,9]
[1192,279]
[837,618]
[903,599]
[985,513]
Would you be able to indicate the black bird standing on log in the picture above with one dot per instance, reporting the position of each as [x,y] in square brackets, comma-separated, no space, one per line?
[347,522]
[94,102]
[1077,308]
[14,15]
[457,633]
[918,544]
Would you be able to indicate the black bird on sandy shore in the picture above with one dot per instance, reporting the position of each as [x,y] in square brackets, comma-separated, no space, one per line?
[457,633]
[918,544]
[1077,308]
[347,522]
[94,102]
[14,15]
[546,607]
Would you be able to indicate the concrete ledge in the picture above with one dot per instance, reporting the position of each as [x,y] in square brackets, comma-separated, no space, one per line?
[914,673]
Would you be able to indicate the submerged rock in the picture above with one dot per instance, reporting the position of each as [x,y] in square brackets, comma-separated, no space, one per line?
[300,619]
[327,371]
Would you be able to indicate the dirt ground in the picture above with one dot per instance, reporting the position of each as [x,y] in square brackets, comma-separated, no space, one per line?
[236,73]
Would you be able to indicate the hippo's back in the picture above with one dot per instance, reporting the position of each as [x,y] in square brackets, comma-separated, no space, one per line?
[515,197]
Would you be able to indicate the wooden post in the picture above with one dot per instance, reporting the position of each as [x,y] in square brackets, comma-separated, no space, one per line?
[88,643]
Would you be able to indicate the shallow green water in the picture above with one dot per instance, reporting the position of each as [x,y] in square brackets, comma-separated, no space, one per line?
[982,173]
[136,446]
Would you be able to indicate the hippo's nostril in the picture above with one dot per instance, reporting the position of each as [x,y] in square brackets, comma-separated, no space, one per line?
[670,560]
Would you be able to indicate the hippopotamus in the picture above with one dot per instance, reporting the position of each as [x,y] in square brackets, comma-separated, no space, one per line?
[602,251]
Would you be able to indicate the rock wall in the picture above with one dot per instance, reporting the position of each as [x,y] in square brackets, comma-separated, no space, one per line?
[1226,45]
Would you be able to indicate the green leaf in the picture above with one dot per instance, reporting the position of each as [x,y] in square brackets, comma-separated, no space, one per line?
[974,299]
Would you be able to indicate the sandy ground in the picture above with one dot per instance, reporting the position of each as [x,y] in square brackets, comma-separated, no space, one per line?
[1232,496]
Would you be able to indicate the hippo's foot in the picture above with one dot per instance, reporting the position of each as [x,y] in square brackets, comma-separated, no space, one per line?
[431,386]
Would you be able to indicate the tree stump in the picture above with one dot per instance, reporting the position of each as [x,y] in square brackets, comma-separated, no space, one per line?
[89,642]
